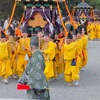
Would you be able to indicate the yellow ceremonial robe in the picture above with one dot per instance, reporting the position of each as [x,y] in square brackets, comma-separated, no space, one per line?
[5,66]
[99,31]
[13,55]
[49,54]
[22,50]
[92,35]
[58,62]
[84,50]
[61,54]
[70,72]
[79,54]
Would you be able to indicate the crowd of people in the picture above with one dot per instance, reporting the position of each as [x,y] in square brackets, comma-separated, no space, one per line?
[93,29]
[43,56]
[62,53]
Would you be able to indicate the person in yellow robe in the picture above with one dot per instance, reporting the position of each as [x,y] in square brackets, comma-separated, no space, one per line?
[57,66]
[79,54]
[61,53]
[23,51]
[59,61]
[98,32]
[82,41]
[70,73]
[84,50]
[5,60]
[96,28]
[13,52]
[48,49]
[15,57]
[91,29]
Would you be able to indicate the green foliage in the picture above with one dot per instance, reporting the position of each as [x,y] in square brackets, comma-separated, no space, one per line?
[94,3]
[6,7]
[19,11]
[73,3]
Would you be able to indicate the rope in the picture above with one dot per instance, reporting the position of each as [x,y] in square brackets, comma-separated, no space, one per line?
[69,14]
[61,19]
[92,14]
[12,15]
[73,11]
[50,24]
[21,21]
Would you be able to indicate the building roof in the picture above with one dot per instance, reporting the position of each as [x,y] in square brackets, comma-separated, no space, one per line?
[38,0]
[83,5]
[96,10]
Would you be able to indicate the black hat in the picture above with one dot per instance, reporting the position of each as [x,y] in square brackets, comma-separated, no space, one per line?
[34,41]
[33,31]
[46,33]
[75,32]
[51,36]
[69,27]
[38,29]
[67,19]
[30,30]
[80,28]
[11,31]
[3,35]
[69,36]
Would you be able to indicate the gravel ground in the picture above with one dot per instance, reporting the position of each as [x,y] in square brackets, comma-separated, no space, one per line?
[89,88]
